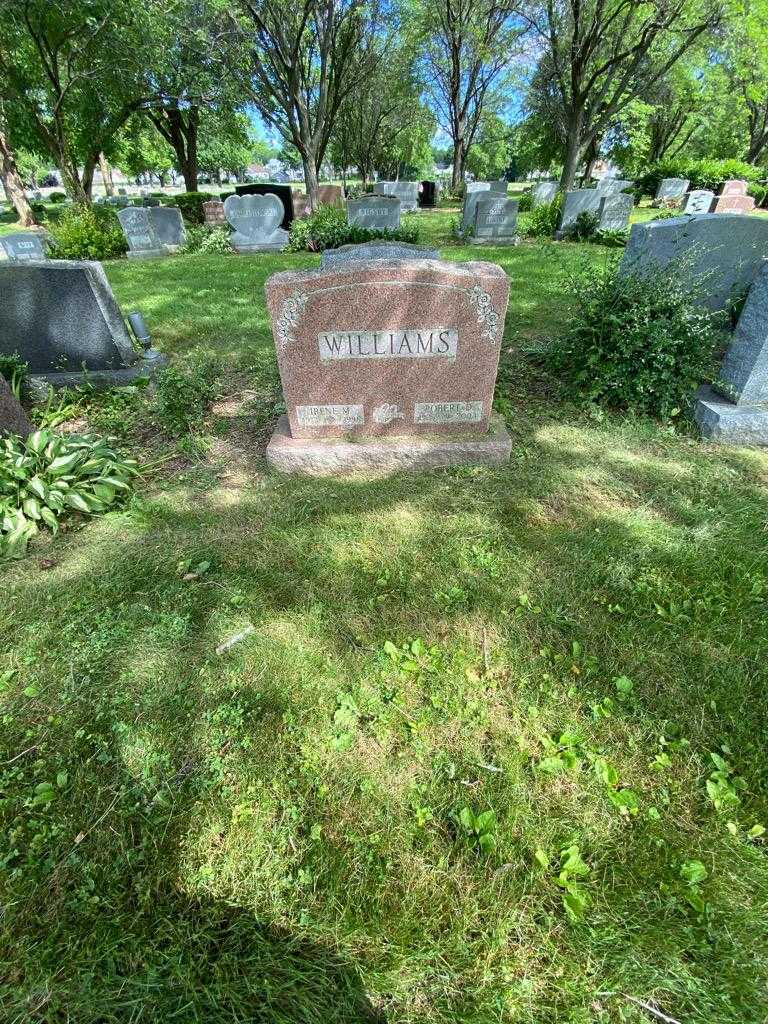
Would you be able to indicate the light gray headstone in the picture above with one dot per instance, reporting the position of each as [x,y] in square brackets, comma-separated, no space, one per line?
[140,233]
[610,185]
[408,194]
[22,247]
[744,373]
[543,193]
[582,200]
[376,251]
[375,212]
[722,252]
[169,225]
[495,220]
[256,221]
[61,315]
[615,211]
[476,186]
[501,186]
[672,188]
[699,201]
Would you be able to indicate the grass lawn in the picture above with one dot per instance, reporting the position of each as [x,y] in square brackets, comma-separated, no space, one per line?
[294,831]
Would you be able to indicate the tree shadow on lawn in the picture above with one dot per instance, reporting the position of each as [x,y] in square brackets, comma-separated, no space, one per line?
[565,524]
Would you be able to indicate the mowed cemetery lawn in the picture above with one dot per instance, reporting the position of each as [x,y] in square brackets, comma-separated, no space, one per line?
[494,752]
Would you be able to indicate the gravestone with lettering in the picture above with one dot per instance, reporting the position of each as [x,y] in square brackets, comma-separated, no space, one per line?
[408,194]
[495,221]
[582,200]
[283,192]
[615,211]
[23,246]
[717,254]
[62,319]
[376,250]
[700,200]
[150,201]
[735,409]
[139,230]
[377,213]
[169,226]
[388,365]
[256,221]
[13,419]
[213,213]
[672,189]
[733,198]
[543,193]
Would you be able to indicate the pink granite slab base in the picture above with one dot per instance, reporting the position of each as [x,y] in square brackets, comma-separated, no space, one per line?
[376,456]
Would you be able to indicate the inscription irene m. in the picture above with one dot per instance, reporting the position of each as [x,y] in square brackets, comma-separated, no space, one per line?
[330,415]
[411,343]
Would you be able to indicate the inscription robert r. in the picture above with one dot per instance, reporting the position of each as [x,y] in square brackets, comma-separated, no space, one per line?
[447,412]
[411,343]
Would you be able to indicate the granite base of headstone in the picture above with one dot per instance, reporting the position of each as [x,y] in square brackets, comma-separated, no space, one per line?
[283,192]
[22,247]
[374,212]
[717,254]
[495,221]
[13,419]
[735,409]
[388,365]
[375,250]
[61,318]
[256,220]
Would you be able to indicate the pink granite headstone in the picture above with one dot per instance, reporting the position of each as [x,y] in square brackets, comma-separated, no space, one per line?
[388,347]
[734,187]
[213,213]
[733,198]
[330,195]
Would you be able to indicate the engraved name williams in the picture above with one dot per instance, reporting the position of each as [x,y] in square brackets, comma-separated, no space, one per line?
[411,343]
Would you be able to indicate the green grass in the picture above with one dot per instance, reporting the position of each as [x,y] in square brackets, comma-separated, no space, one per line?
[274,834]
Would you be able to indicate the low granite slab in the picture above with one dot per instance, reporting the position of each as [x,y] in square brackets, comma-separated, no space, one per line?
[22,247]
[140,233]
[13,419]
[375,250]
[62,319]
[719,254]
[375,212]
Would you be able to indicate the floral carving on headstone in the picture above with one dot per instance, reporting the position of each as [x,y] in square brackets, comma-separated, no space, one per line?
[290,311]
[487,316]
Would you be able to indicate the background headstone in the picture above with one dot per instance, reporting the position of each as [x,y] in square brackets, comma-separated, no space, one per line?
[495,220]
[615,211]
[13,419]
[378,213]
[213,213]
[139,230]
[256,221]
[330,195]
[672,188]
[698,201]
[301,206]
[501,186]
[428,194]
[543,193]
[376,250]
[283,193]
[169,226]
[150,201]
[733,198]
[408,194]
[23,246]
[734,187]
[582,200]
[610,185]
[724,250]
[61,317]
[477,186]
[388,347]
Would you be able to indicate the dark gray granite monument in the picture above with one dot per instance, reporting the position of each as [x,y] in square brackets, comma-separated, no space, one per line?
[256,222]
[495,221]
[169,226]
[719,253]
[139,230]
[735,410]
[22,246]
[62,319]
[375,212]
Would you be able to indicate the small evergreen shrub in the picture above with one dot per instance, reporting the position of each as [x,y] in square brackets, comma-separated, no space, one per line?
[184,391]
[205,240]
[636,343]
[542,221]
[86,232]
[191,205]
[57,197]
[327,228]
[48,476]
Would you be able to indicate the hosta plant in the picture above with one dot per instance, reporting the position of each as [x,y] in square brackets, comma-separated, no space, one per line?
[49,476]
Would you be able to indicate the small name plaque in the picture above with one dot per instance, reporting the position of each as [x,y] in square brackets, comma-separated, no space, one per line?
[413,343]
[330,415]
[447,412]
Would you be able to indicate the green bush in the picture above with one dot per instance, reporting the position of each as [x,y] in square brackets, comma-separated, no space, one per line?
[206,240]
[584,228]
[636,343]
[48,476]
[184,391]
[14,370]
[543,220]
[57,197]
[706,173]
[40,210]
[524,201]
[191,205]
[327,228]
[87,233]
[759,193]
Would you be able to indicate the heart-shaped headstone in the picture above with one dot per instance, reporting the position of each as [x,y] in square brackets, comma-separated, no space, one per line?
[255,218]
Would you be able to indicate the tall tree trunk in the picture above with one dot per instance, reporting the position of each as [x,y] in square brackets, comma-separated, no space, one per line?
[87,178]
[310,180]
[457,174]
[12,183]
[106,175]
[573,153]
